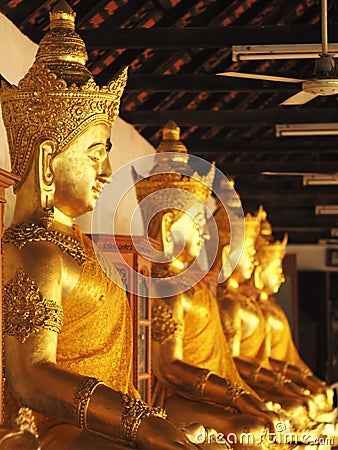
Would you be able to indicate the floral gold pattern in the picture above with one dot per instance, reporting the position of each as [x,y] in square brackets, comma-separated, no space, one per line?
[235,391]
[163,325]
[58,97]
[171,178]
[81,400]
[134,411]
[25,421]
[26,311]
[21,234]
[201,381]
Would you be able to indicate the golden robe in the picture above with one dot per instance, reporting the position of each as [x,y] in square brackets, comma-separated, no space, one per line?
[280,344]
[203,342]
[96,336]
[241,311]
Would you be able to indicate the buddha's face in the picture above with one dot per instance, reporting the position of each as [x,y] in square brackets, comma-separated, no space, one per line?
[81,170]
[189,227]
[272,276]
[246,262]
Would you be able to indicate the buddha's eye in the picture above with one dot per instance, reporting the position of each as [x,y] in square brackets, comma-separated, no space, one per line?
[94,158]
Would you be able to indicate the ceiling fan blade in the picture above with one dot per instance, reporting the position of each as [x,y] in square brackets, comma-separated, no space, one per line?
[255,76]
[288,174]
[300,98]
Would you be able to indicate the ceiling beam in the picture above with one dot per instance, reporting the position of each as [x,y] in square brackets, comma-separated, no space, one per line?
[233,118]
[254,168]
[198,83]
[290,200]
[296,217]
[200,37]
[281,145]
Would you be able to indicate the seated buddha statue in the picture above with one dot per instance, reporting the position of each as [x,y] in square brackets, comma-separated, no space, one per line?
[244,323]
[195,373]
[67,325]
[281,349]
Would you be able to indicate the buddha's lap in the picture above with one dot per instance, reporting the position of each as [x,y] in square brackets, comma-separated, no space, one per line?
[180,409]
[68,437]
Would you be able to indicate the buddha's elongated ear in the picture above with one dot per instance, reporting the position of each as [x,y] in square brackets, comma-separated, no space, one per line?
[166,224]
[225,253]
[46,181]
[257,278]
[226,269]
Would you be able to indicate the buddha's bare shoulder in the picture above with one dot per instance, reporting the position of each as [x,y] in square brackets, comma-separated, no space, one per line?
[40,260]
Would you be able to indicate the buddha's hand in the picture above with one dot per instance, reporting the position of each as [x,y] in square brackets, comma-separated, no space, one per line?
[249,404]
[156,433]
[293,390]
[316,385]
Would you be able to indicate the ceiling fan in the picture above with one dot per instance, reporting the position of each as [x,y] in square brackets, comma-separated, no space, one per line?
[325,77]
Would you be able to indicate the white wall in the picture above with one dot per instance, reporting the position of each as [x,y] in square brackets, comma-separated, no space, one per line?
[16,57]
[311,257]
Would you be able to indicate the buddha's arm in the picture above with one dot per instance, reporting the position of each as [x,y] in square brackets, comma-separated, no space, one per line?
[301,375]
[34,288]
[268,380]
[190,380]
[290,362]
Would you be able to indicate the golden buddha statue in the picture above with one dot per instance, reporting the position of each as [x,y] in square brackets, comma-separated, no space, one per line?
[195,373]
[281,350]
[67,326]
[245,324]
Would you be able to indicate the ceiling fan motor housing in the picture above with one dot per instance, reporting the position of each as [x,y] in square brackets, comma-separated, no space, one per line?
[321,86]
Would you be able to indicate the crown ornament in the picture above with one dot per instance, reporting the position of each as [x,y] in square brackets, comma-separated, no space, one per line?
[266,229]
[268,248]
[172,179]
[58,97]
[227,221]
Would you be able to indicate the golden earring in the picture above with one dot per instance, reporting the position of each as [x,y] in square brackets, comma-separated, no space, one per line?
[47,216]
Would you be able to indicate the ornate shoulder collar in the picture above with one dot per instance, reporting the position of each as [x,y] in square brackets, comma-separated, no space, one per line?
[224,292]
[167,272]
[21,234]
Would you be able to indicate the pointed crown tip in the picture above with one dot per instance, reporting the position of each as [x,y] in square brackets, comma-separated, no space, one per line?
[171,131]
[62,16]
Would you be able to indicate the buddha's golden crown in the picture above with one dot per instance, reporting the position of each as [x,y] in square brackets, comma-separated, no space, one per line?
[266,229]
[267,248]
[58,97]
[226,218]
[172,171]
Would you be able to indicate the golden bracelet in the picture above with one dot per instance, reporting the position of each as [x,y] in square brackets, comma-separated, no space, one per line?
[134,412]
[235,390]
[285,368]
[254,373]
[201,382]
[281,379]
[305,374]
[81,400]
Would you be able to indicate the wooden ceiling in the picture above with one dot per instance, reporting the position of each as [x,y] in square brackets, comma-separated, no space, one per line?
[174,49]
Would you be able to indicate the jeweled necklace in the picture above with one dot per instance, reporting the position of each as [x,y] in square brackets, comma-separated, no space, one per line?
[22,233]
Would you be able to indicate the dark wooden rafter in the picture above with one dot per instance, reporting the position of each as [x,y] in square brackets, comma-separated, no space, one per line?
[256,168]
[198,83]
[174,53]
[283,145]
[304,200]
[231,118]
[200,37]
